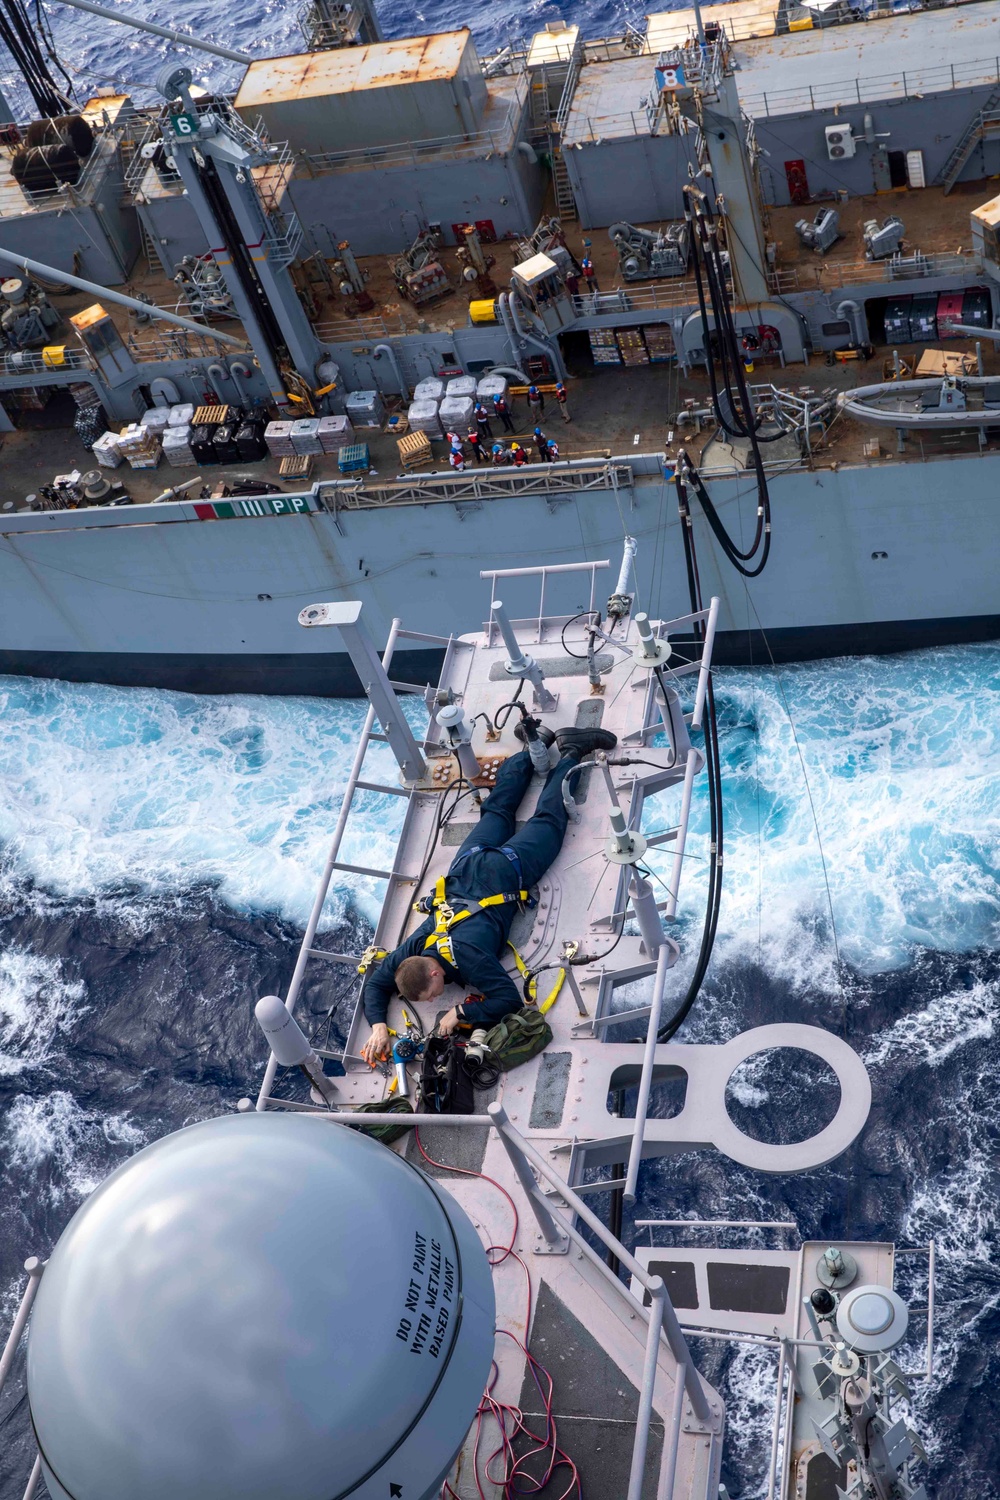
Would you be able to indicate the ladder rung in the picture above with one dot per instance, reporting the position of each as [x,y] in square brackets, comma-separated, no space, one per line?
[335,958]
[607,1185]
[374,786]
[621,1016]
[363,870]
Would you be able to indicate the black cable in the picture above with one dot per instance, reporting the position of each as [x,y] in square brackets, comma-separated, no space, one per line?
[18,35]
[713,772]
[731,403]
[515,702]
[576,654]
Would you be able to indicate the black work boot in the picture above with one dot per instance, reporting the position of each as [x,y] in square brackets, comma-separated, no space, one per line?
[580,742]
[544,733]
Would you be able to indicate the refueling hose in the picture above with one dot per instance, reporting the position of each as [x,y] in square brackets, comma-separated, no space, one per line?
[733,407]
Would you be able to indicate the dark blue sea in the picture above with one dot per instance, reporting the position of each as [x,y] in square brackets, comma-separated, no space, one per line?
[158,855]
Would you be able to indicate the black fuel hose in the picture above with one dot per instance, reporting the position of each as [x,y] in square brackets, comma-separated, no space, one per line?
[713,901]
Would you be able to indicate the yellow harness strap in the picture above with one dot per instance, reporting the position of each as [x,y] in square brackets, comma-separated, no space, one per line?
[524,971]
[371,955]
[445,919]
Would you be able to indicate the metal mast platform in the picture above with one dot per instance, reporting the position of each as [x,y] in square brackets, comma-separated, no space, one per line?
[640,1420]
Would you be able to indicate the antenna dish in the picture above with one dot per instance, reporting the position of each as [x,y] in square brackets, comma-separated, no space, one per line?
[261,1307]
[871,1319]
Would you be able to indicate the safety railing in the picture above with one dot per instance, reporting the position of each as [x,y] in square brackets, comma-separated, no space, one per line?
[909,83]
[168,343]
[22,363]
[558,1229]
[413,153]
[638,298]
[345,330]
[391,722]
[549,481]
[863,272]
[98,162]
[544,573]
[34,1267]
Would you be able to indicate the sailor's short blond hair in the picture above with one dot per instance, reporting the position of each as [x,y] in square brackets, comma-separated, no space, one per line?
[414,976]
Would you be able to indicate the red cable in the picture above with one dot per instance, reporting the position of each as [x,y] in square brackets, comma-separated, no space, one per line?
[503,1412]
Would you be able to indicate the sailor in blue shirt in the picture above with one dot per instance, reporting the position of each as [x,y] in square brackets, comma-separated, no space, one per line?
[489,877]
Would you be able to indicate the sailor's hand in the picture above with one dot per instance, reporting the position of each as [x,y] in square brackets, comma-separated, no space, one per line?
[377,1045]
[448,1023]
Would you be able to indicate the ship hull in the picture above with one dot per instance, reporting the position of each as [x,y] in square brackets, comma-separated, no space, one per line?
[863,560]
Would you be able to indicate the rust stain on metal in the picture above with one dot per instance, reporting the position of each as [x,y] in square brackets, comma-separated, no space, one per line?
[345,70]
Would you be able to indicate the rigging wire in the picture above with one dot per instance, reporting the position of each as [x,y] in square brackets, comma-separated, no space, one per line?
[714,778]
[515,1480]
[20,35]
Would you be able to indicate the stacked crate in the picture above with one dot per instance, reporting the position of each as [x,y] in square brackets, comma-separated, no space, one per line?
[423,417]
[177,445]
[659,343]
[106,450]
[334,433]
[632,346]
[305,436]
[139,446]
[365,408]
[278,437]
[604,346]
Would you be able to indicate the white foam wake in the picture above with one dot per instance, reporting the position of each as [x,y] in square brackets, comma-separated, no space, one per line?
[871,787]
[37,1007]
[55,1142]
[103,790]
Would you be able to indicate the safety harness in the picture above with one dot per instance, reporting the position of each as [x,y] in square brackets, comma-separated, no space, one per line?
[445,919]
[530,987]
[371,955]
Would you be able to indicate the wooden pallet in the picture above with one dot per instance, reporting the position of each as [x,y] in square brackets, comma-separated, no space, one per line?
[298,466]
[414,449]
[205,416]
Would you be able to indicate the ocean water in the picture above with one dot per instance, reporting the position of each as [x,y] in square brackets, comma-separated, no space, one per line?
[97,52]
[158,855]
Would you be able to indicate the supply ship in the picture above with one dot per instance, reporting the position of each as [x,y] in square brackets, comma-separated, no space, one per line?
[240,327]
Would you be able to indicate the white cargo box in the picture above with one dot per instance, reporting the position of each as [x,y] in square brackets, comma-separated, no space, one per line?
[490,386]
[181,416]
[305,436]
[430,389]
[423,417]
[456,414]
[155,419]
[461,385]
[334,433]
[106,451]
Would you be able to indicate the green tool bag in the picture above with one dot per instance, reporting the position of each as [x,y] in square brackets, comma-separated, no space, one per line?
[391,1106]
[518,1038]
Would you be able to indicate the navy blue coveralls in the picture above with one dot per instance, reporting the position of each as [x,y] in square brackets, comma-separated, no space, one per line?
[492,859]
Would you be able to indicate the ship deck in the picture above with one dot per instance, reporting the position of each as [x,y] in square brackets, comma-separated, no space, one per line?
[615,412]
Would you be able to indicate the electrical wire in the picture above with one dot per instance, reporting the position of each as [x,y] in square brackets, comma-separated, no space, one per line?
[515,1479]
[577,655]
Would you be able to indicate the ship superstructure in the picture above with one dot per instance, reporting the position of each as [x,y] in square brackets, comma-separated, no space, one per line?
[366,216]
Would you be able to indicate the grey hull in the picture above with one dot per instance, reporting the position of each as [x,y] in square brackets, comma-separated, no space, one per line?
[875,559]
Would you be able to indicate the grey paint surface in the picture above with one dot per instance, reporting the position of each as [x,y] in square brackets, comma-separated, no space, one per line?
[199,1330]
[91,581]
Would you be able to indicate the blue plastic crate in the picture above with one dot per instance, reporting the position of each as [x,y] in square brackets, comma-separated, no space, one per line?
[353,458]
